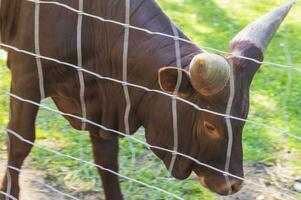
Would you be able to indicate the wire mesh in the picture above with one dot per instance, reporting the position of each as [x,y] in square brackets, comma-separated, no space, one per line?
[81,70]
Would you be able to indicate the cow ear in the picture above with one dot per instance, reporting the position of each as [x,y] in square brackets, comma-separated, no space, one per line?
[168,77]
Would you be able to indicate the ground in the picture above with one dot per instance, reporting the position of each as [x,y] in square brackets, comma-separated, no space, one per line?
[271,158]
[32,189]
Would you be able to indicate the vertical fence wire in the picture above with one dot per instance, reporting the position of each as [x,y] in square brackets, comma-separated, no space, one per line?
[125,79]
[80,62]
[229,126]
[80,73]
[174,100]
[125,66]
[37,48]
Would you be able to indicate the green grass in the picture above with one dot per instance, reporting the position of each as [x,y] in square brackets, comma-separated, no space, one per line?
[210,23]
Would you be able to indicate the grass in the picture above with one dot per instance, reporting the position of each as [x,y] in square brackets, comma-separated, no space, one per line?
[274,102]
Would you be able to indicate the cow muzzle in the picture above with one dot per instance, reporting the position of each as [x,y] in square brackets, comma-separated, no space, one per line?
[220,185]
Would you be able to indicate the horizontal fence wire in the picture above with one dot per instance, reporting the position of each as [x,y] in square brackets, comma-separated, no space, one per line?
[149,146]
[289,67]
[279,130]
[8,195]
[41,183]
[17,135]
[285,132]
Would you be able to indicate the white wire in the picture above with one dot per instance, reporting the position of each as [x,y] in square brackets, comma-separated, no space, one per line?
[80,62]
[125,78]
[37,49]
[125,66]
[166,35]
[229,126]
[173,100]
[282,131]
[89,163]
[8,195]
[135,139]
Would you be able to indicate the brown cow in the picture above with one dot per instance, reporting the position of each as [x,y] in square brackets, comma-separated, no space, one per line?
[207,81]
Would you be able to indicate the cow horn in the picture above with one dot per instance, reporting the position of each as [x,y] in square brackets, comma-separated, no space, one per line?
[260,32]
[209,73]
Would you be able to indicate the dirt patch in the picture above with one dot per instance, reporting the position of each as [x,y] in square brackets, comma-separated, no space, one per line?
[277,180]
[34,188]
[271,187]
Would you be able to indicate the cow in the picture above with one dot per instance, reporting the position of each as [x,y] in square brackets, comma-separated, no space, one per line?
[211,81]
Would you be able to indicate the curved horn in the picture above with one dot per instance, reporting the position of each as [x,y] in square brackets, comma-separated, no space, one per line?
[209,73]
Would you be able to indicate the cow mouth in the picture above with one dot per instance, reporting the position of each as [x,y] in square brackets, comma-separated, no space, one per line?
[179,172]
[181,169]
[221,186]
[181,175]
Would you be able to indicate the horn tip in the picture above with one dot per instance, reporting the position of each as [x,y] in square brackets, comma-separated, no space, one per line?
[289,5]
[261,31]
[291,2]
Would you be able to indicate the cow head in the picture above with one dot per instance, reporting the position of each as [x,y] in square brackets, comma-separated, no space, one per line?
[220,84]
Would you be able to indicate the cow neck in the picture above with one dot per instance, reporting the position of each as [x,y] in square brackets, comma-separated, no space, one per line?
[9,14]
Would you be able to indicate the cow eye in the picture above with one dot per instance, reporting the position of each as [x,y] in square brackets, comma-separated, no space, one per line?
[209,127]
[211,130]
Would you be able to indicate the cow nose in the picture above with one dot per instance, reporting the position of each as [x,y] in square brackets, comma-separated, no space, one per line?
[234,186]
[221,186]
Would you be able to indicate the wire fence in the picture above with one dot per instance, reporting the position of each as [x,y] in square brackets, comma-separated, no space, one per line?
[124,82]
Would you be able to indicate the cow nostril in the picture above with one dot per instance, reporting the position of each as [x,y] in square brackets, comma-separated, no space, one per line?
[235,186]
